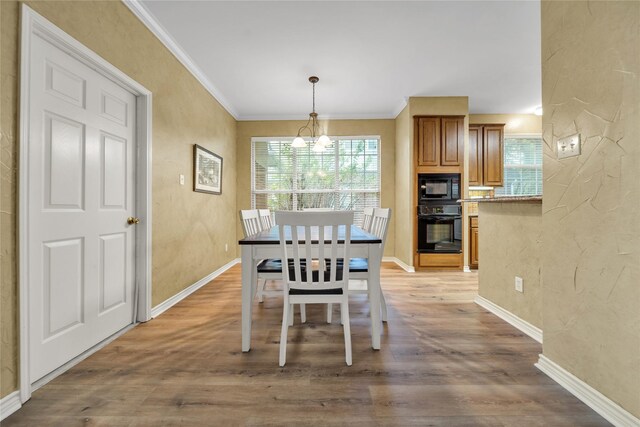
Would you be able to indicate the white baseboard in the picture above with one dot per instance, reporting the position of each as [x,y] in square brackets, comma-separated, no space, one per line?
[524,326]
[597,401]
[405,267]
[466,269]
[170,302]
[9,404]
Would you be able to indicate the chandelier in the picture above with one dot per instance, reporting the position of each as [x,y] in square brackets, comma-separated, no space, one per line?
[312,127]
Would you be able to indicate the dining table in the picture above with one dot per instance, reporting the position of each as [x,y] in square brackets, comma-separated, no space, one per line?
[266,244]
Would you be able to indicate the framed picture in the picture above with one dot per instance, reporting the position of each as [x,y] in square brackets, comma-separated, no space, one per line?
[207,171]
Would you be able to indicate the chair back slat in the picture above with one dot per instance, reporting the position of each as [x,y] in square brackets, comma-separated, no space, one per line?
[322,232]
[366,220]
[265,218]
[380,223]
[250,222]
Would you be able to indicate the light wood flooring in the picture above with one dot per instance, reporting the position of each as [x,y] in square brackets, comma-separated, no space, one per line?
[444,361]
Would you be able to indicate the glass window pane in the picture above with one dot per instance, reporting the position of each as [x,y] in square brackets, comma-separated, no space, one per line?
[522,167]
[293,179]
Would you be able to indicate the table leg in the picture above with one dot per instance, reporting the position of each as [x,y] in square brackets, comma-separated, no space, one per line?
[248,278]
[375,257]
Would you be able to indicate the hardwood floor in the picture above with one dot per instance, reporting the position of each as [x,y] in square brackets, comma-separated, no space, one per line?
[444,361]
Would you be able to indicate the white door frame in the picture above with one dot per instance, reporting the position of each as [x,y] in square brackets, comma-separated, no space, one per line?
[35,25]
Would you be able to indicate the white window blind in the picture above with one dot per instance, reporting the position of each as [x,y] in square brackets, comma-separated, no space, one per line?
[522,167]
[344,177]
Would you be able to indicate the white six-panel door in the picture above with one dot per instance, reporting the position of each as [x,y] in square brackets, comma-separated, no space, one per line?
[81,172]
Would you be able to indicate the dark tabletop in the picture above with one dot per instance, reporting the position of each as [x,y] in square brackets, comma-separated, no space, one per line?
[272,236]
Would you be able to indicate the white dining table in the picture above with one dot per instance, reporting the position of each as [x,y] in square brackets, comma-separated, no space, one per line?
[266,244]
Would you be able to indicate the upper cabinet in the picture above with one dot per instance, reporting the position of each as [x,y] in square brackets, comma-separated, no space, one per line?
[486,155]
[440,140]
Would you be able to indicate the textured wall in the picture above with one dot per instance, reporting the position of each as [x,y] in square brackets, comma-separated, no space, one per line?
[591,205]
[404,188]
[189,229]
[510,240]
[8,198]
[384,128]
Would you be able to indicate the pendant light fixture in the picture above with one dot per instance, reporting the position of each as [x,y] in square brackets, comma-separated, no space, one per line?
[312,127]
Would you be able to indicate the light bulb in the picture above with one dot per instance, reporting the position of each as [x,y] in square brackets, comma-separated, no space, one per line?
[324,140]
[538,111]
[298,142]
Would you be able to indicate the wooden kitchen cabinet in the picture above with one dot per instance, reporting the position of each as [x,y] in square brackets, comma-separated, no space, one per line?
[428,141]
[486,155]
[440,140]
[473,242]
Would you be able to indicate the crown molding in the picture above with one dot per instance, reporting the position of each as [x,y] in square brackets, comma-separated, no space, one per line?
[141,12]
[396,112]
[266,117]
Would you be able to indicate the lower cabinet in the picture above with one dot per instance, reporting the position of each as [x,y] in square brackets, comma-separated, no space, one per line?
[473,242]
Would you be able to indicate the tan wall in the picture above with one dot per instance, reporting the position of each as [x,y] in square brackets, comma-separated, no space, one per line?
[287,128]
[189,229]
[510,240]
[591,231]
[514,123]
[404,188]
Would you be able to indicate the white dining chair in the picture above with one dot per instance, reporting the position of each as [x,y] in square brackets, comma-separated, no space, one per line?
[303,284]
[251,223]
[265,218]
[268,269]
[367,214]
[359,267]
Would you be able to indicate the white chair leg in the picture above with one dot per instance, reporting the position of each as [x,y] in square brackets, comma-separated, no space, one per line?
[303,313]
[344,313]
[383,306]
[283,334]
[261,287]
[329,312]
[290,314]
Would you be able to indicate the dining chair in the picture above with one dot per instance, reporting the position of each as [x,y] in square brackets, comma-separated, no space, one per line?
[267,269]
[265,218]
[328,281]
[367,213]
[251,223]
[359,267]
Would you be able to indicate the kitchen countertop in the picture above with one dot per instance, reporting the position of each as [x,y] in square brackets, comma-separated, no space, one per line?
[507,199]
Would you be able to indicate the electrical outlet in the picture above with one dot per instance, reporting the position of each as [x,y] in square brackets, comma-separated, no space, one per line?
[569,146]
[226,247]
[181,179]
[519,284]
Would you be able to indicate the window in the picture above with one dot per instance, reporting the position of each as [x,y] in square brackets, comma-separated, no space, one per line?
[522,166]
[345,177]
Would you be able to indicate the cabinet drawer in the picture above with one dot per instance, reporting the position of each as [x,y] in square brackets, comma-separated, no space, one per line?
[441,260]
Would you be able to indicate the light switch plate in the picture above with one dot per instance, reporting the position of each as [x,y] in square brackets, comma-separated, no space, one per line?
[519,284]
[569,146]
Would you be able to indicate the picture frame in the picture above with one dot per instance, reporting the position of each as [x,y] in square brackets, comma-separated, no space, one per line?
[207,171]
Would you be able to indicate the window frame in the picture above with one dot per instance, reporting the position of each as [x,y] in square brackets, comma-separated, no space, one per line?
[335,190]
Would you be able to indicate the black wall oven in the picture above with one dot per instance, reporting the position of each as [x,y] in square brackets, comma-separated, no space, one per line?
[440,228]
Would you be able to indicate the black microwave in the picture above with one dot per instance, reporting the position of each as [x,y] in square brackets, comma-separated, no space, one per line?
[439,186]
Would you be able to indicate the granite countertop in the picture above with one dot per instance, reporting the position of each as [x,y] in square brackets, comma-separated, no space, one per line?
[506,199]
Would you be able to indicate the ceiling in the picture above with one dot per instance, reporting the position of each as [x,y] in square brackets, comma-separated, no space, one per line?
[256,57]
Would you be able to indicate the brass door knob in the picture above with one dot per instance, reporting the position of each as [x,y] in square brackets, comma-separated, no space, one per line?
[131,220]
